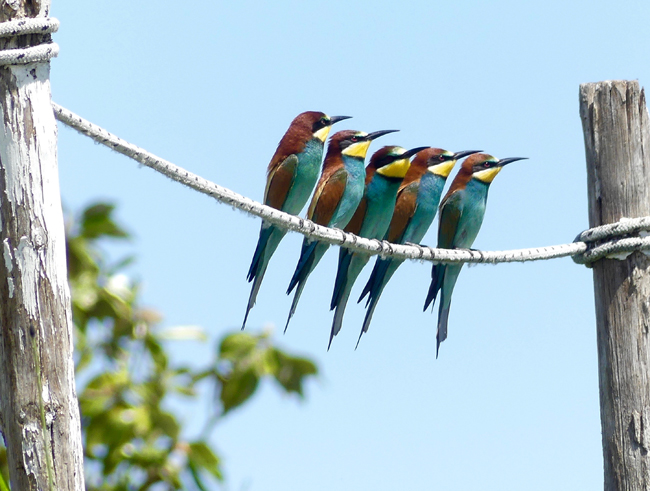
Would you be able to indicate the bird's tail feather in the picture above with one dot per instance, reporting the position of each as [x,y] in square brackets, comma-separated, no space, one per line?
[294,304]
[270,237]
[437,275]
[350,266]
[312,253]
[448,284]
[341,277]
[265,234]
[443,317]
[376,278]
[338,317]
[370,283]
[259,276]
[305,264]
[366,320]
[386,269]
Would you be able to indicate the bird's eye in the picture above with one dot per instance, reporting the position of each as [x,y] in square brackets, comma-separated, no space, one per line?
[324,121]
[441,158]
[486,164]
[354,139]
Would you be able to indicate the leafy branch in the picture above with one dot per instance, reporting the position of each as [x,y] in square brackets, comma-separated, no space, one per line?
[132,440]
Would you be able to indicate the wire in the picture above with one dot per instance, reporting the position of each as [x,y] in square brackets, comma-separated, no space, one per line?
[31,54]
[590,245]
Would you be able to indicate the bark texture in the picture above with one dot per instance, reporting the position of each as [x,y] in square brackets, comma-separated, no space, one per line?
[39,415]
[617,142]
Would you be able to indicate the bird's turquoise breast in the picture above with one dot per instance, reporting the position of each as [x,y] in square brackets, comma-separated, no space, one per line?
[352,194]
[381,194]
[427,201]
[474,200]
[305,177]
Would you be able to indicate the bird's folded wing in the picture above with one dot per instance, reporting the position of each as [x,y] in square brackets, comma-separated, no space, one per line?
[327,197]
[279,181]
[404,210]
[451,211]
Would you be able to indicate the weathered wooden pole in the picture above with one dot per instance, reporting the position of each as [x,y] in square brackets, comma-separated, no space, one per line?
[39,415]
[617,142]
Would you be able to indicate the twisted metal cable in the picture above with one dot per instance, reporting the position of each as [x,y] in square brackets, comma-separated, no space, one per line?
[586,249]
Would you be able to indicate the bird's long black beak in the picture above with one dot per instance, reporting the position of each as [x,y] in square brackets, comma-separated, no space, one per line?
[465,153]
[409,153]
[336,119]
[503,162]
[377,134]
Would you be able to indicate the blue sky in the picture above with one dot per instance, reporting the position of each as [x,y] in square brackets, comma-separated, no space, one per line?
[512,401]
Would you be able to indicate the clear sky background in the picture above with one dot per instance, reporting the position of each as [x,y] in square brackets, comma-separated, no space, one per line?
[512,401]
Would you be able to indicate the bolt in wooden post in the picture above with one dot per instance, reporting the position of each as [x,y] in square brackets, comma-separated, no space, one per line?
[617,142]
[39,413]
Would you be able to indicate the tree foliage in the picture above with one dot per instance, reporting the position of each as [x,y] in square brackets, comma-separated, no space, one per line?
[132,438]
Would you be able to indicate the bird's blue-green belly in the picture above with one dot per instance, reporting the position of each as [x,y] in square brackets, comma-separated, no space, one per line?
[381,195]
[428,198]
[351,195]
[473,212]
[306,175]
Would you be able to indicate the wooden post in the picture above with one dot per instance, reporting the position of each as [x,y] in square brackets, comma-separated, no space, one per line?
[39,414]
[617,142]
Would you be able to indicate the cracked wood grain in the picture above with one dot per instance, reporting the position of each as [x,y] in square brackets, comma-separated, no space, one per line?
[39,415]
[617,139]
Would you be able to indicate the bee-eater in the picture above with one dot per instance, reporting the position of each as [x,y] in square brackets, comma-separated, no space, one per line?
[416,206]
[461,214]
[291,177]
[337,196]
[384,174]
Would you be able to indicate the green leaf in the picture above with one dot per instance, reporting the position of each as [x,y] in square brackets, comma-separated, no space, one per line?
[201,456]
[100,391]
[292,371]
[197,377]
[196,475]
[237,387]
[147,457]
[4,478]
[157,352]
[97,221]
[166,423]
[237,346]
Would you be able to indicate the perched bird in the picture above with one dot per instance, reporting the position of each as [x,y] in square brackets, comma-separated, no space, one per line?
[291,177]
[384,174]
[337,196]
[461,215]
[417,204]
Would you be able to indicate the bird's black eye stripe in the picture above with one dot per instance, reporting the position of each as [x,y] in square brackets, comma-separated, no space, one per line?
[484,165]
[323,122]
